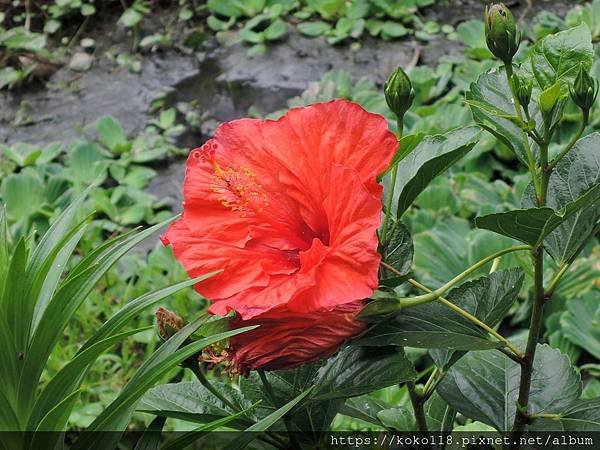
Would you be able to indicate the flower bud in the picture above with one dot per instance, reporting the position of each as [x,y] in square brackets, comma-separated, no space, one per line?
[584,90]
[399,93]
[501,33]
[168,323]
[522,88]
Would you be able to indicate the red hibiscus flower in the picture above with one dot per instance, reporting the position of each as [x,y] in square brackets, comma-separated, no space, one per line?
[288,209]
[284,340]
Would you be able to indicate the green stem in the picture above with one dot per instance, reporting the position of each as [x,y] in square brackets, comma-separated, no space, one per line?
[413,301]
[271,394]
[584,121]
[471,318]
[196,369]
[528,152]
[390,199]
[417,403]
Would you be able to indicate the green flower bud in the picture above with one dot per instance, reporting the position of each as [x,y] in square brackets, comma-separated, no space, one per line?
[168,323]
[522,88]
[399,93]
[501,33]
[584,90]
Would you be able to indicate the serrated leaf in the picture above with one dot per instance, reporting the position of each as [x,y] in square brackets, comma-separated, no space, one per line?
[358,370]
[484,386]
[398,251]
[575,176]
[434,325]
[584,415]
[558,56]
[191,401]
[531,226]
[490,97]
[430,157]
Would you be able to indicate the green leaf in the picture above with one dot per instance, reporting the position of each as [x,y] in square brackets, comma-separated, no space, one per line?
[23,194]
[484,386]
[190,437]
[276,30]
[581,323]
[267,422]
[111,133]
[134,307]
[489,98]
[434,325]
[400,418]
[576,175]
[364,408]
[191,401]
[168,356]
[314,29]
[86,163]
[582,416]
[357,370]
[558,57]
[151,439]
[533,225]
[430,157]
[64,383]
[398,251]
[130,17]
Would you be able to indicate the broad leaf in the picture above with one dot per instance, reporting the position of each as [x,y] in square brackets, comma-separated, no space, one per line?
[431,156]
[484,386]
[491,97]
[582,416]
[365,408]
[434,325]
[558,56]
[531,226]
[581,323]
[398,252]
[577,173]
[191,401]
[358,370]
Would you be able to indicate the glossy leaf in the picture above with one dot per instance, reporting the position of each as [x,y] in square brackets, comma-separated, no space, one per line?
[398,251]
[531,226]
[430,157]
[582,416]
[434,325]
[558,56]
[358,370]
[484,386]
[489,98]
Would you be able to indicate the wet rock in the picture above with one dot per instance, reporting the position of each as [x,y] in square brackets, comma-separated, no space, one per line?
[81,62]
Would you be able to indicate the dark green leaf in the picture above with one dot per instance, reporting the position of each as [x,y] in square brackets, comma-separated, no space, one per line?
[558,57]
[398,251]
[491,97]
[582,416]
[434,325]
[484,386]
[358,370]
[531,226]
[430,157]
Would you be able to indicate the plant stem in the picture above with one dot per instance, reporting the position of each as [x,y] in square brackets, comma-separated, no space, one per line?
[471,318]
[584,121]
[528,152]
[537,314]
[196,369]
[390,199]
[286,420]
[417,403]
[433,295]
